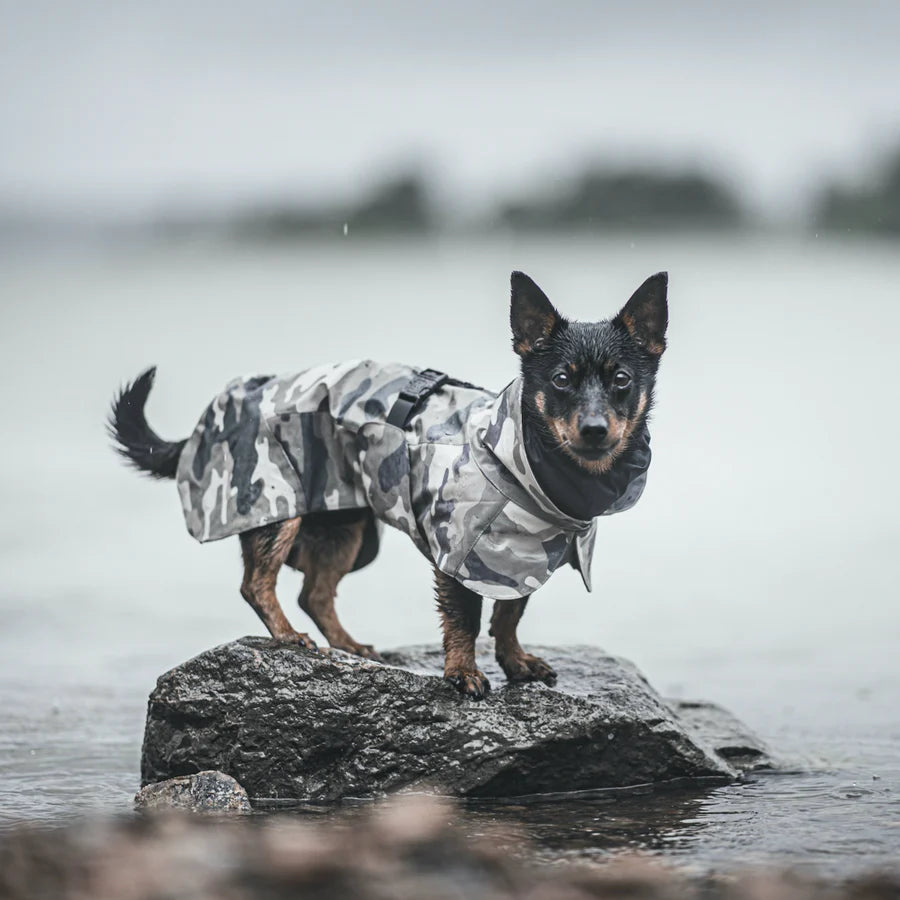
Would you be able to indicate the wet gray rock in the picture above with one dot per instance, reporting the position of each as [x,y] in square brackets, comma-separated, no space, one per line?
[203,792]
[729,738]
[292,724]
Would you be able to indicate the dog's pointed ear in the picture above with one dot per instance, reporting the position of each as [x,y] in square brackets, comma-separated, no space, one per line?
[646,315]
[532,316]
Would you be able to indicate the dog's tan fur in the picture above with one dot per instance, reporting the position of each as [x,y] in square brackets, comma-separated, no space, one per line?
[567,434]
[264,551]
[515,662]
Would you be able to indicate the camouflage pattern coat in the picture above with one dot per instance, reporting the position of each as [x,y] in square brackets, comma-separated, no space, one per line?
[456,480]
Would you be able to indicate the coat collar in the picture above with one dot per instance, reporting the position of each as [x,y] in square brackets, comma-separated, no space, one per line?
[500,454]
[504,437]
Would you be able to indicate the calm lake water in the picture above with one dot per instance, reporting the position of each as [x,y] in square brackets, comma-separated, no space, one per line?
[760,569]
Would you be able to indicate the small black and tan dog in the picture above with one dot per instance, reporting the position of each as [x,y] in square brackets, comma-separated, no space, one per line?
[575,447]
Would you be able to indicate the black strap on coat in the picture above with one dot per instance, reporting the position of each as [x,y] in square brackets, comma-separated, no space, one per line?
[414,392]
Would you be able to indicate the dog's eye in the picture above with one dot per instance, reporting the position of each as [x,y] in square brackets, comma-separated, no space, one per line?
[561,380]
[621,379]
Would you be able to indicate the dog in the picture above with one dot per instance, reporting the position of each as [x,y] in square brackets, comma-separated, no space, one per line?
[497,490]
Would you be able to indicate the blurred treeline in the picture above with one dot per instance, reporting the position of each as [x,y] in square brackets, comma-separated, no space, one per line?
[600,198]
[874,207]
[596,198]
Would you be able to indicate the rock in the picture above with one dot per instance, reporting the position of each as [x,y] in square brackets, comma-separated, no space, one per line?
[728,737]
[292,724]
[207,791]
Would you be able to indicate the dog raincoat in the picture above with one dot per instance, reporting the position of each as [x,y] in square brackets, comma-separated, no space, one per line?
[456,479]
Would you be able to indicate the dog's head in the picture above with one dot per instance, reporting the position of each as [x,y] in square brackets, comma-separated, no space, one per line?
[588,386]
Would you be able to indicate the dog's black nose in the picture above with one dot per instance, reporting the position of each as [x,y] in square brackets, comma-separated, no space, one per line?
[593,430]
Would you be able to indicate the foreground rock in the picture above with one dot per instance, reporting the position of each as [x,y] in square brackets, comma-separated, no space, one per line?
[292,724]
[403,851]
[203,792]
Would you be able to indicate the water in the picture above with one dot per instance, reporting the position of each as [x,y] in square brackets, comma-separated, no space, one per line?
[758,571]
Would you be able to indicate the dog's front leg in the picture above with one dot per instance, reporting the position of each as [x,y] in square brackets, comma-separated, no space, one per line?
[515,662]
[460,611]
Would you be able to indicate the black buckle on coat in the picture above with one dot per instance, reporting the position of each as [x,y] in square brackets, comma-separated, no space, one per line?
[416,390]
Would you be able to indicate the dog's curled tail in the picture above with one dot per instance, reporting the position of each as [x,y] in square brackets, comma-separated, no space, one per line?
[134,439]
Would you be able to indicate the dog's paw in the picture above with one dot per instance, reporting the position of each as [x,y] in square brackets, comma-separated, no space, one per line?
[301,640]
[470,684]
[528,667]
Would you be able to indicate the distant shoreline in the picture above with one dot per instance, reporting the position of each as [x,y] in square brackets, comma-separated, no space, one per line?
[595,200]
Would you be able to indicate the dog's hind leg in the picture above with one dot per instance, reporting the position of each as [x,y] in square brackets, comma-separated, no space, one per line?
[326,550]
[264,550]
[515,662]
[460,611]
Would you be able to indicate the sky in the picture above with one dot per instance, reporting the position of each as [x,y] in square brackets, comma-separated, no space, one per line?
[137,108]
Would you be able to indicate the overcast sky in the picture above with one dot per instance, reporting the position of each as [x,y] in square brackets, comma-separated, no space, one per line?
[141,106]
